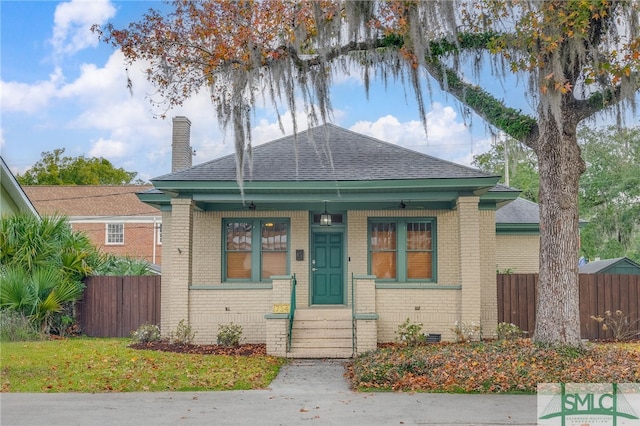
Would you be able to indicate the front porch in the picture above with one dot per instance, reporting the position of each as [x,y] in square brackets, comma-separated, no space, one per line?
[372,315]
[321,331]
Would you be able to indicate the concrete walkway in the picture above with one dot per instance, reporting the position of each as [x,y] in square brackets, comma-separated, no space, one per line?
[305,392]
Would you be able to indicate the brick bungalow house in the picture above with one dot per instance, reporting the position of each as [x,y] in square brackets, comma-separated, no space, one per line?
[112,216]
[333,241]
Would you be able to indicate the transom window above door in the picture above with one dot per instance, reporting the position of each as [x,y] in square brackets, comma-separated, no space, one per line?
[255,249]
[336,218]
[402,249]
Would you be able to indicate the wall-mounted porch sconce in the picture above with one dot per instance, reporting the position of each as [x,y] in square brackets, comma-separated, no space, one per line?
[325,218]
[252,206]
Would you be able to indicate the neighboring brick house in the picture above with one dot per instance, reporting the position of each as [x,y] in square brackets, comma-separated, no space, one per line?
[370,232]
[112,216]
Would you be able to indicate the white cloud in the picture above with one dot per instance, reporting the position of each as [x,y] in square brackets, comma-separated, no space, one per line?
[475,147]
[29,98]
[266,130]
[108,84]
[73,21]
[390,129]
[442,125]
[446,137]
[442,128]
[108,149]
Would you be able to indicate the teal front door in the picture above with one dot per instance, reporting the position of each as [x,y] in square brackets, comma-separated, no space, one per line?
[327,269]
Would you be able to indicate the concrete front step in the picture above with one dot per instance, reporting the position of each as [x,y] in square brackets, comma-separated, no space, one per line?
[323,314]
[344,343]
[327,332]
[322,333]
[315,324]
[320,353]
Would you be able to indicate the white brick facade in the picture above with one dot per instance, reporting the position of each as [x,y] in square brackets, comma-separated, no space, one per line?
[193,289]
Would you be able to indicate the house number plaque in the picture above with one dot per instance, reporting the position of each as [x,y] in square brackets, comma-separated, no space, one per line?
[281,309]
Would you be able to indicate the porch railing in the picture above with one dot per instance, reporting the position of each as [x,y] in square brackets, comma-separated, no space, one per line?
[292,311]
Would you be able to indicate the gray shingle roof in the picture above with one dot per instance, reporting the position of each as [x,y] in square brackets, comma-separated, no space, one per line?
[518,211]
[598,265]
[601,265]
[328,153]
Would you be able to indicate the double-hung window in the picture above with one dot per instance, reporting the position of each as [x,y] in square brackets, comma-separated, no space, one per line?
[115,233]
[255,249]
[403,249]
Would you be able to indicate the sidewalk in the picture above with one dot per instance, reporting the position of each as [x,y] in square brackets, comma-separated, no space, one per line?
[305,391]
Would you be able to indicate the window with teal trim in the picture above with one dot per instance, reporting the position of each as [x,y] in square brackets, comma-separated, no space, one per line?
[402,249]
[255,249]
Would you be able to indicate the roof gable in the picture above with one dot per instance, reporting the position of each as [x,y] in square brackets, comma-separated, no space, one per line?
[328,153]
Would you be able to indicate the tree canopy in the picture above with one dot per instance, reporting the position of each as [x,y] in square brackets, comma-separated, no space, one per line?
[55,169]
[516,164]
[578,58]
[609,189]
[609,192]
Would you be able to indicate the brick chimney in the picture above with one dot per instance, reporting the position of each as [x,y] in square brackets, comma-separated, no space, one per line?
[181,151]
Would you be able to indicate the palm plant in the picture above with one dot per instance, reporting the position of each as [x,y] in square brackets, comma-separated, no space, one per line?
[38,295]
[114,265]
[42,264]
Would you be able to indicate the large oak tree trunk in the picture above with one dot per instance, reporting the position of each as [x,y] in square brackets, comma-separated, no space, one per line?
[560,166]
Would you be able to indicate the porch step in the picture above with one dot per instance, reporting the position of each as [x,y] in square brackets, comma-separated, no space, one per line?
[322,333]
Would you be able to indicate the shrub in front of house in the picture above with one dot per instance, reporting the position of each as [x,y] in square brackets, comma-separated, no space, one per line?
[509,331]
[146,333]
[229,334]
[183,335]
[410,333]
[467,332]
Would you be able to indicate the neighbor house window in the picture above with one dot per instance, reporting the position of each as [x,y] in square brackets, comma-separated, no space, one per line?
[255,249]
[159,233]
[115,233]
[402,249]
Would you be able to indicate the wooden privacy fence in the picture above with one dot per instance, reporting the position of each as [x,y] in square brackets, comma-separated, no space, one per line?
[598,293]
[115,306]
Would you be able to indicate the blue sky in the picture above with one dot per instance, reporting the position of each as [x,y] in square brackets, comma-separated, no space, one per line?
[61,88]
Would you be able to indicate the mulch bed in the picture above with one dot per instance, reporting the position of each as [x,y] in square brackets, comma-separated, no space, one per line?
[242,350]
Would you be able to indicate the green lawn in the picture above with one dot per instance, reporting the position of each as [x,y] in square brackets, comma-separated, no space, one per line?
[108,365]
